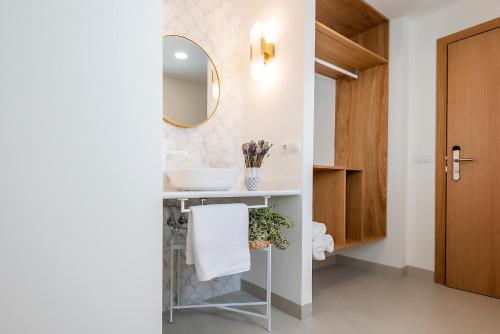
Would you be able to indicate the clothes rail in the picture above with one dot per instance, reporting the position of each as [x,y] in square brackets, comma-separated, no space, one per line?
[336,68]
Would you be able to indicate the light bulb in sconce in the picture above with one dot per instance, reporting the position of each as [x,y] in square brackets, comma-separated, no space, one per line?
[261,49]
[256,32]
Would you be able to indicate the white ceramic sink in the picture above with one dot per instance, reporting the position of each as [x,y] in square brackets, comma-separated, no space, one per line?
[202,179]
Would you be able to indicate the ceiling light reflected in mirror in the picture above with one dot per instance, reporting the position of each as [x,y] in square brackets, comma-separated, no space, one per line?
[181,55]
[191,86]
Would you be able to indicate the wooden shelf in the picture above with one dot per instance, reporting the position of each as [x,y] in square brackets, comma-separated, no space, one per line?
[336,49]
[353,243]
[329,202]
[338,202]
[319,168]
[348,17]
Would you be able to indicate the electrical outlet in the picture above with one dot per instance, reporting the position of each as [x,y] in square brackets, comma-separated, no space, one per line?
[290,146]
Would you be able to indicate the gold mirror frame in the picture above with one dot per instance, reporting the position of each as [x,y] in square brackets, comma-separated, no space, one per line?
[186,126]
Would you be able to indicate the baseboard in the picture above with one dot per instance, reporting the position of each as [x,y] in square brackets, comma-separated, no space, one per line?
[370,266]
[305,311]
[420,273]
[384,269]
[300,312]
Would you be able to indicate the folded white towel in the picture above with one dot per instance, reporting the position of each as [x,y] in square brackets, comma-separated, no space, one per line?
[217,240]
[328,243]
[318,229]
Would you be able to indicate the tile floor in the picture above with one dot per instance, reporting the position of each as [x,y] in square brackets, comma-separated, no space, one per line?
[351,300]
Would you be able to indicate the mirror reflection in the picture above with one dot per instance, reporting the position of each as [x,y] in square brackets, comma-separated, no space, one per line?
[191,87]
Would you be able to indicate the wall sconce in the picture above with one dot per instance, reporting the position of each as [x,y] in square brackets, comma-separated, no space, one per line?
[261,49]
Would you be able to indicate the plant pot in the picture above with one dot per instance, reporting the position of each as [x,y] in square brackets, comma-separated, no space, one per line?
[259,244]
[252,178]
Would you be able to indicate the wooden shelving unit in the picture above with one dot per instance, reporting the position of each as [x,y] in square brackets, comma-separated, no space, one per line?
[318,168]
[348,17]
[351,200]
[336,49]
[355,243]
[337,201]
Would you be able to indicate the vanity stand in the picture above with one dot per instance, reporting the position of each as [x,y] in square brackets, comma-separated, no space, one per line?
[223,306]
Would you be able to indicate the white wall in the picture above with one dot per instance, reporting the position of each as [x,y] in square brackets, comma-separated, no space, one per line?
[412,113]
[279,109]
[80,171]
[184,101]
[324,120]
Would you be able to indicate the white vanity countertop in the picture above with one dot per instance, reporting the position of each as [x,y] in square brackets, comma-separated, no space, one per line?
[228,193]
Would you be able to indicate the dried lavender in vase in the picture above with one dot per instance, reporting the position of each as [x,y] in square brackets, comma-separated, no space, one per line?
[254,154]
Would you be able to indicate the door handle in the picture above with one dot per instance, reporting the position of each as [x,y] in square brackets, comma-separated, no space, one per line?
[456,160]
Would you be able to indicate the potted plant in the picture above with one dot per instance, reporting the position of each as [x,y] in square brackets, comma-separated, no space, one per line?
[266,226]
[254,154]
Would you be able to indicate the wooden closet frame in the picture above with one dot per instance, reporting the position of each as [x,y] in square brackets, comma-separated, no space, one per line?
[441,128]
[350,197]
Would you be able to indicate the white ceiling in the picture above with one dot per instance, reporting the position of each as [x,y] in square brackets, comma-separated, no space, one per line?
[397,8]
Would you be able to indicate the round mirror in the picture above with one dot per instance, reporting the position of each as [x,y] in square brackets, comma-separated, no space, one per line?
[191,88]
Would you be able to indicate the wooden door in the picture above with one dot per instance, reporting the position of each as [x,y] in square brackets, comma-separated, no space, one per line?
[473,201]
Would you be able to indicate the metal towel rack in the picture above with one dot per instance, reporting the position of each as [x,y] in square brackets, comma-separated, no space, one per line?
[223,306]
[184,200]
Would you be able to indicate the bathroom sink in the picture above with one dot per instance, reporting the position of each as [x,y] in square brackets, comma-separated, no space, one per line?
[204,179]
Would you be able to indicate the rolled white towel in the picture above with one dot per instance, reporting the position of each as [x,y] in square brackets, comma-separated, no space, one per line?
[319,245]
[319,255]
[324,244]
[328,243]
[318,249]
[318,229]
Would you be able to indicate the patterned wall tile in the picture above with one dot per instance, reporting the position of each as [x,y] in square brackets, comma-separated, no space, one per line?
[217,26]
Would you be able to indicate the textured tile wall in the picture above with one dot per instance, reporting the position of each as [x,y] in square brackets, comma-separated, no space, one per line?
[217,26]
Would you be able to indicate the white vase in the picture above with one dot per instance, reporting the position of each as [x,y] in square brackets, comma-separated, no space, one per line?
[252,178]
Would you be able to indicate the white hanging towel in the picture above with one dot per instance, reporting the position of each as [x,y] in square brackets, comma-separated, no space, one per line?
[318,230]
[217,240]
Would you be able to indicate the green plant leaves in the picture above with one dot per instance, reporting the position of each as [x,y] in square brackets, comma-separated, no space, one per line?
[267,224]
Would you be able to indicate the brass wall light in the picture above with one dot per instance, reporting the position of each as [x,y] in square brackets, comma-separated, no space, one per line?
[262,49]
